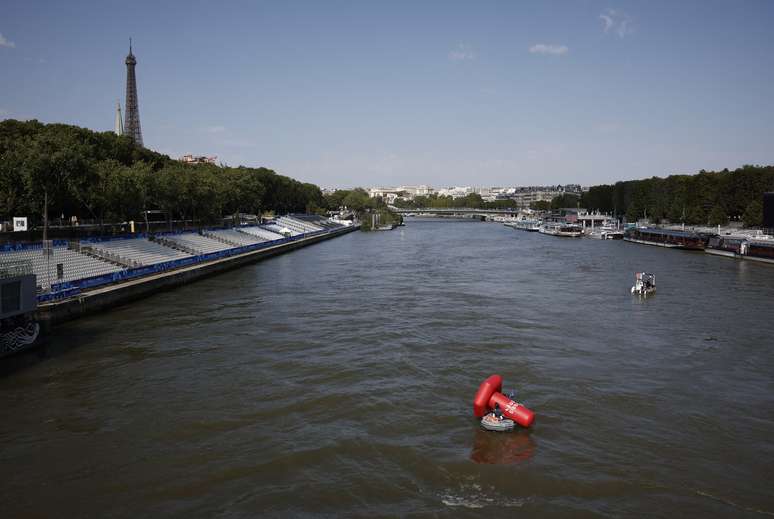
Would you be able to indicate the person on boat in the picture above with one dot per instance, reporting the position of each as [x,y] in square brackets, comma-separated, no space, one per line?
[498,412]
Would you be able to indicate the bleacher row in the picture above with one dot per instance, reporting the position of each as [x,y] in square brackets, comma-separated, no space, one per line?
[90,258]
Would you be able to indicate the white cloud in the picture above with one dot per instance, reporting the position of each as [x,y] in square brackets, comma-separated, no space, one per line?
[462,52]
[616,21]
[553,50]
[5,43]
[215,129]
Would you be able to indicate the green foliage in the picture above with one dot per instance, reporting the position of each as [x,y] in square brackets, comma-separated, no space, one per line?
[695,216]
[385,218]
[358,201]
[566,200]
[718,216]
[104,177]
[632,215]
[753,214]
[685,198]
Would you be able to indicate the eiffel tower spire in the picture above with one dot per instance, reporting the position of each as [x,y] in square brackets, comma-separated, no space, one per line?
[132,121]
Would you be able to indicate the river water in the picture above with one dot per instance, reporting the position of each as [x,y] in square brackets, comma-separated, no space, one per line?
[338,380]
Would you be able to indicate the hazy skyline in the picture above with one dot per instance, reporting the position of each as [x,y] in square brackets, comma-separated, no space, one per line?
[355,93]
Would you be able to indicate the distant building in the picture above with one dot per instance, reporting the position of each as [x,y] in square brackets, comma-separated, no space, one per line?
[423,190]
[405,192]
[383,192]
[522,196]
[526,195]
[190,159]
[456,191]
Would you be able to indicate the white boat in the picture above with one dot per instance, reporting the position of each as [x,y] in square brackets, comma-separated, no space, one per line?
[525,225]
[491,422]
[606,233]
[567,230]
[530,225]
[644,284]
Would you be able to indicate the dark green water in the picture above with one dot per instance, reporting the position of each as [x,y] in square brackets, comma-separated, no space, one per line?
[337,380]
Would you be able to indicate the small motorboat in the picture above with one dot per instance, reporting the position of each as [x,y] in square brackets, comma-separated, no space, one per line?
[644,284]
[491,422]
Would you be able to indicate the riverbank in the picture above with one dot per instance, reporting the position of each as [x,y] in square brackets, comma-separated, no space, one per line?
[102,298]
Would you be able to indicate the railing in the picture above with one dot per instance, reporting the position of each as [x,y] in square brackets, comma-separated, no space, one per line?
[13,247]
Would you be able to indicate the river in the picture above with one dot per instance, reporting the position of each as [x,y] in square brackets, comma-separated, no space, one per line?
[338,380]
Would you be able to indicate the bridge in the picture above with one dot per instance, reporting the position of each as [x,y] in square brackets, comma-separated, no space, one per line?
[462,211]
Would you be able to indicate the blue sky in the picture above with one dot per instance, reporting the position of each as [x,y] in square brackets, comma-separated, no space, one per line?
[386,93]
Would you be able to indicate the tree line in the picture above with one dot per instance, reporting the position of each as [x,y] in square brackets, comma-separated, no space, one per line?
[102,177]
[705,198]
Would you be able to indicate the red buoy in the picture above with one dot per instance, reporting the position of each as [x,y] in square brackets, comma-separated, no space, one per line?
[490,393]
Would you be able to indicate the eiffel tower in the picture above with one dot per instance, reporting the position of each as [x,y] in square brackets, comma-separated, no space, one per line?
[132,121]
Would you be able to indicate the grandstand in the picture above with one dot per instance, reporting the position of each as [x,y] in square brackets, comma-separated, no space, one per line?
[297,225]
[233,237]
[317,220]
[197,243]
[281,229]
[46,267]
[136,252]
[260,232]
[139,256]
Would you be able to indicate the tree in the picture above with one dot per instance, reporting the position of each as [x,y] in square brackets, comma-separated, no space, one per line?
[540,205]
[564,201]
[356,199]
[12,188]
[472,201]
[676,213]
[632,214]
[753,215]
[718,216]
[695,215]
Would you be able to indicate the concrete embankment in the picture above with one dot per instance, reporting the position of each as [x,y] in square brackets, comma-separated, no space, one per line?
[105,297]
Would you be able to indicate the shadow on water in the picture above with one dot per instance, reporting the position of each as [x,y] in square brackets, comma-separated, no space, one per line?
[25,359]
[58,342]
[502,448]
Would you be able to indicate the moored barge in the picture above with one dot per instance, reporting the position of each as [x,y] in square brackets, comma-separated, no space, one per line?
[673,239]
[566,230]
[729,246]
[759,250]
